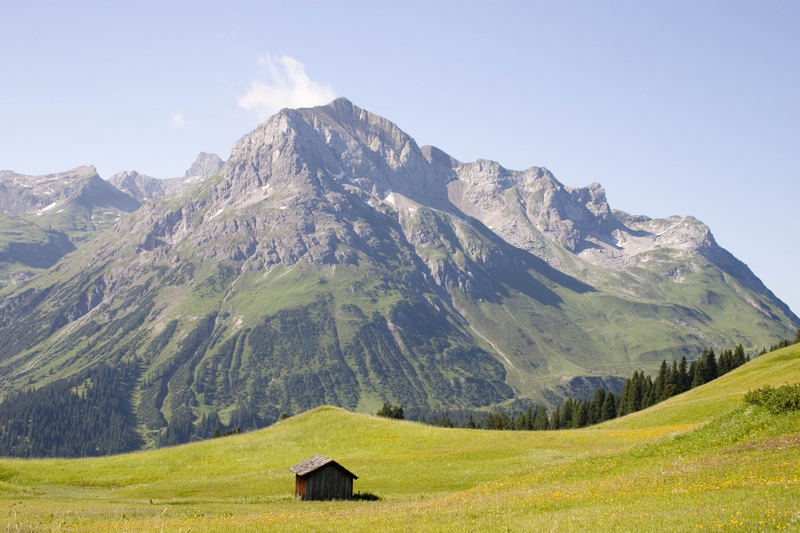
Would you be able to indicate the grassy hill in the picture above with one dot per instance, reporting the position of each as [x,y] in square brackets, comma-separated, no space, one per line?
[699,461]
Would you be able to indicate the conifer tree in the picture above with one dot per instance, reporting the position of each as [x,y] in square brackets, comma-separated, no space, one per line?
[596,406]
[609,410]
[555,418]
[624,401]
[648,393]
[580,416]
[540,421]
[738,356]
[391,411]
[696,373]
[445,422]
[725,363]
[661,381]
[385,410]
[528,419]
[683,379]
[498,420]
[710,370]
[635,393]
[565,417]
[672,385]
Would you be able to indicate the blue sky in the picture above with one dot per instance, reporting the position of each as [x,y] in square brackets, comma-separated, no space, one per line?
[675,107]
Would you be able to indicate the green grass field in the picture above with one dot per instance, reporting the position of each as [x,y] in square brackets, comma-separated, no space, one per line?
[700,461]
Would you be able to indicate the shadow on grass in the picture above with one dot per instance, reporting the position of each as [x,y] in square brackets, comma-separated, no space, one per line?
[365,496]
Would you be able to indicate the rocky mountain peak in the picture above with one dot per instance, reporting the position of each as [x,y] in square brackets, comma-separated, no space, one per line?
[593,199]
[531,207]
[330,147]
[371,129]
[76,174]
[437,157]
[344,110]
[205,166]
[83,171]
[138,185]
[24,194]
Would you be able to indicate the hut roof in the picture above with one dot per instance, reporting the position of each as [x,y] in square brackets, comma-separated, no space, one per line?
[315,462]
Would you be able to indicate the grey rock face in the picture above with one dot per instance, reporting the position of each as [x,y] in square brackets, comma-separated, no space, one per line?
[205,166]
[334,146]
[145,188]
[139,186]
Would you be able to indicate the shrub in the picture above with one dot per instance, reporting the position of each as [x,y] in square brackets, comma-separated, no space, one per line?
[391,411]
[781,400]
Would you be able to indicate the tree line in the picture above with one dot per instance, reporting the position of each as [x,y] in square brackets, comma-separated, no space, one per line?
[639,391]
[782,344]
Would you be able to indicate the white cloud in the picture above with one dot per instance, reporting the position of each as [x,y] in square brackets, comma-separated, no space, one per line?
[179,120]
[286,85]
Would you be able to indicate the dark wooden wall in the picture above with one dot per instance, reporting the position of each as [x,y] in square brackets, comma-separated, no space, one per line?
[328,483]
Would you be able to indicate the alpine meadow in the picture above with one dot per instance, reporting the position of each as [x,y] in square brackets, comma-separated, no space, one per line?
[331,325]
[703,460]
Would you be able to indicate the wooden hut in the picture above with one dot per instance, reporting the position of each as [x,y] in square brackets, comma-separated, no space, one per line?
[321,478]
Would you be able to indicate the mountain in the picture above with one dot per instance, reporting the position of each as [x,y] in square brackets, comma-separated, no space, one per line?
[77,202]
[137,185]
[26,248]
[205,166]
[144,187]
[333,261]
[42,218]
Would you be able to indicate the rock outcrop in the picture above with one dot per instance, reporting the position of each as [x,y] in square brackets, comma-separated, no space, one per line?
[137,185]
[205,166]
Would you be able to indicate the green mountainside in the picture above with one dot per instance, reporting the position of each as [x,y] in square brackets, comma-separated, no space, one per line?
[700,460]
[333,261]
[27,248]
[43,218]
[78,202]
